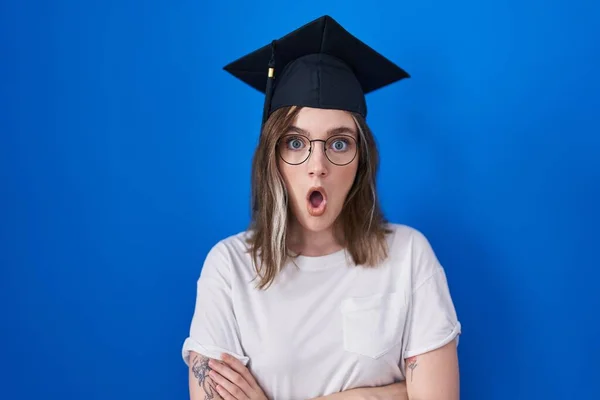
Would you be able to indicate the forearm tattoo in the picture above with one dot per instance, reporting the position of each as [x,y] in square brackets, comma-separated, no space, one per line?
[412,364]
[200,370]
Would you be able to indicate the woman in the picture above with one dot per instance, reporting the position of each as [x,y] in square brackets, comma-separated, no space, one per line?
[321,296]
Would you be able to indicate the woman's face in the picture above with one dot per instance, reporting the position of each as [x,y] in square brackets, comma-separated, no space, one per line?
[318,187]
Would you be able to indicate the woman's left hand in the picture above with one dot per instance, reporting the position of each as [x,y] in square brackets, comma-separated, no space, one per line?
[234,381]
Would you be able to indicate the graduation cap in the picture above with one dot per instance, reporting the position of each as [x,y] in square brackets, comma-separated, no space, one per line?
[318,65]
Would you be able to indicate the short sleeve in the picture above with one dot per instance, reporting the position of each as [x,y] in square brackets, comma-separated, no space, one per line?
[432,321]
[213,328]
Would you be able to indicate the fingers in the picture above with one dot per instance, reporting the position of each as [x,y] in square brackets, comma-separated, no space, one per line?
[240,368]
[225,395]
[226,389]
[230,379]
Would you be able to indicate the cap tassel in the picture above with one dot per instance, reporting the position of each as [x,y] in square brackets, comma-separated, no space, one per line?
[269,88]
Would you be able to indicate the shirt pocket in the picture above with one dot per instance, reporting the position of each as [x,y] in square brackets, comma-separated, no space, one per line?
[373,325]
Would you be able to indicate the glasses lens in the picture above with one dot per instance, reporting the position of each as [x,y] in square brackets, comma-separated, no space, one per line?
[340,149]
[294,149]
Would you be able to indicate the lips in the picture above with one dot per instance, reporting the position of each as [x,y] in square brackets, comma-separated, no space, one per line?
[316,201]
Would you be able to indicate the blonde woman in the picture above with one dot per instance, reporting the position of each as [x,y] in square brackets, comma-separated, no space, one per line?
[320,297]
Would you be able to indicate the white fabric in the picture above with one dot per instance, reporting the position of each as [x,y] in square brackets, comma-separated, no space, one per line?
[326,326]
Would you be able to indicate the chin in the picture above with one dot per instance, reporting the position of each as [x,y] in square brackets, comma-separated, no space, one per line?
[316,224]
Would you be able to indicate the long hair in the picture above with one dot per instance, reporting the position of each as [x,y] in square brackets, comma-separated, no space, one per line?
[361,224]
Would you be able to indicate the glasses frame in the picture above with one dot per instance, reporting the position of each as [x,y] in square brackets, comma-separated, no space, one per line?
[310,148]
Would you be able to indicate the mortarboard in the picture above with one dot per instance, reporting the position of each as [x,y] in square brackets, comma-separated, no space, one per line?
[318,65]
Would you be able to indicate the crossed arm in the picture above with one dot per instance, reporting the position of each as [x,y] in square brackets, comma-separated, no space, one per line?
[430,376]
[202,386]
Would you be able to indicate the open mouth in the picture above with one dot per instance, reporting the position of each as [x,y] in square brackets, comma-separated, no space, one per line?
[316,201]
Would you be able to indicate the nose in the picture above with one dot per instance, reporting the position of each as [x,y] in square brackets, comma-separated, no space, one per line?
[317,162]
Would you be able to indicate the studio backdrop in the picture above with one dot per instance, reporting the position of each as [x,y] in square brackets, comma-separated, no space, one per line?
[125,154]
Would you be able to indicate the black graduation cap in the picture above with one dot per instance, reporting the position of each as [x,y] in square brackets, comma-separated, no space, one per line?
[318,65]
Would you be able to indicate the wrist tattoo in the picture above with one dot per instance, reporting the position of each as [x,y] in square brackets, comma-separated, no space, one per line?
[200,369]
[412,364]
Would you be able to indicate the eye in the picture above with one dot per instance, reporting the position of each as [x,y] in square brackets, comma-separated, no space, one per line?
[339,144]
[294,143]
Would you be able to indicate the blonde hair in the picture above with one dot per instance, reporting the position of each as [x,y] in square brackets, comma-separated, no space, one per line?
[362,233]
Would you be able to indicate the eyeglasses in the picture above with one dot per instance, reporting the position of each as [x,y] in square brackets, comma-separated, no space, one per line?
[295,149]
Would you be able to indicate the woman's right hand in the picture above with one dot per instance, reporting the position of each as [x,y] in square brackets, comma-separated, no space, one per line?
[234,381]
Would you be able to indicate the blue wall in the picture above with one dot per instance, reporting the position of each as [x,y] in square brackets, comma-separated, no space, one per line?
[125,154]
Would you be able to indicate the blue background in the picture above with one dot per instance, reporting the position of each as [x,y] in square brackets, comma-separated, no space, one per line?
[125,155]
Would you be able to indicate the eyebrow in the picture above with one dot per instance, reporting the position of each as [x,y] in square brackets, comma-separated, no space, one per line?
[334,131]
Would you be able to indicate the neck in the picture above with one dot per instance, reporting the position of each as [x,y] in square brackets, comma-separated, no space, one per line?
[310,243]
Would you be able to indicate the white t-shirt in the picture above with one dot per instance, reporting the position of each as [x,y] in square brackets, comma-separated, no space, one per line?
[327,325]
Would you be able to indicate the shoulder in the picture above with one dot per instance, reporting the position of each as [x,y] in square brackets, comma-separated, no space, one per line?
[230,247]
[406,237]
[413,247]
[229,252]
[235,243]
